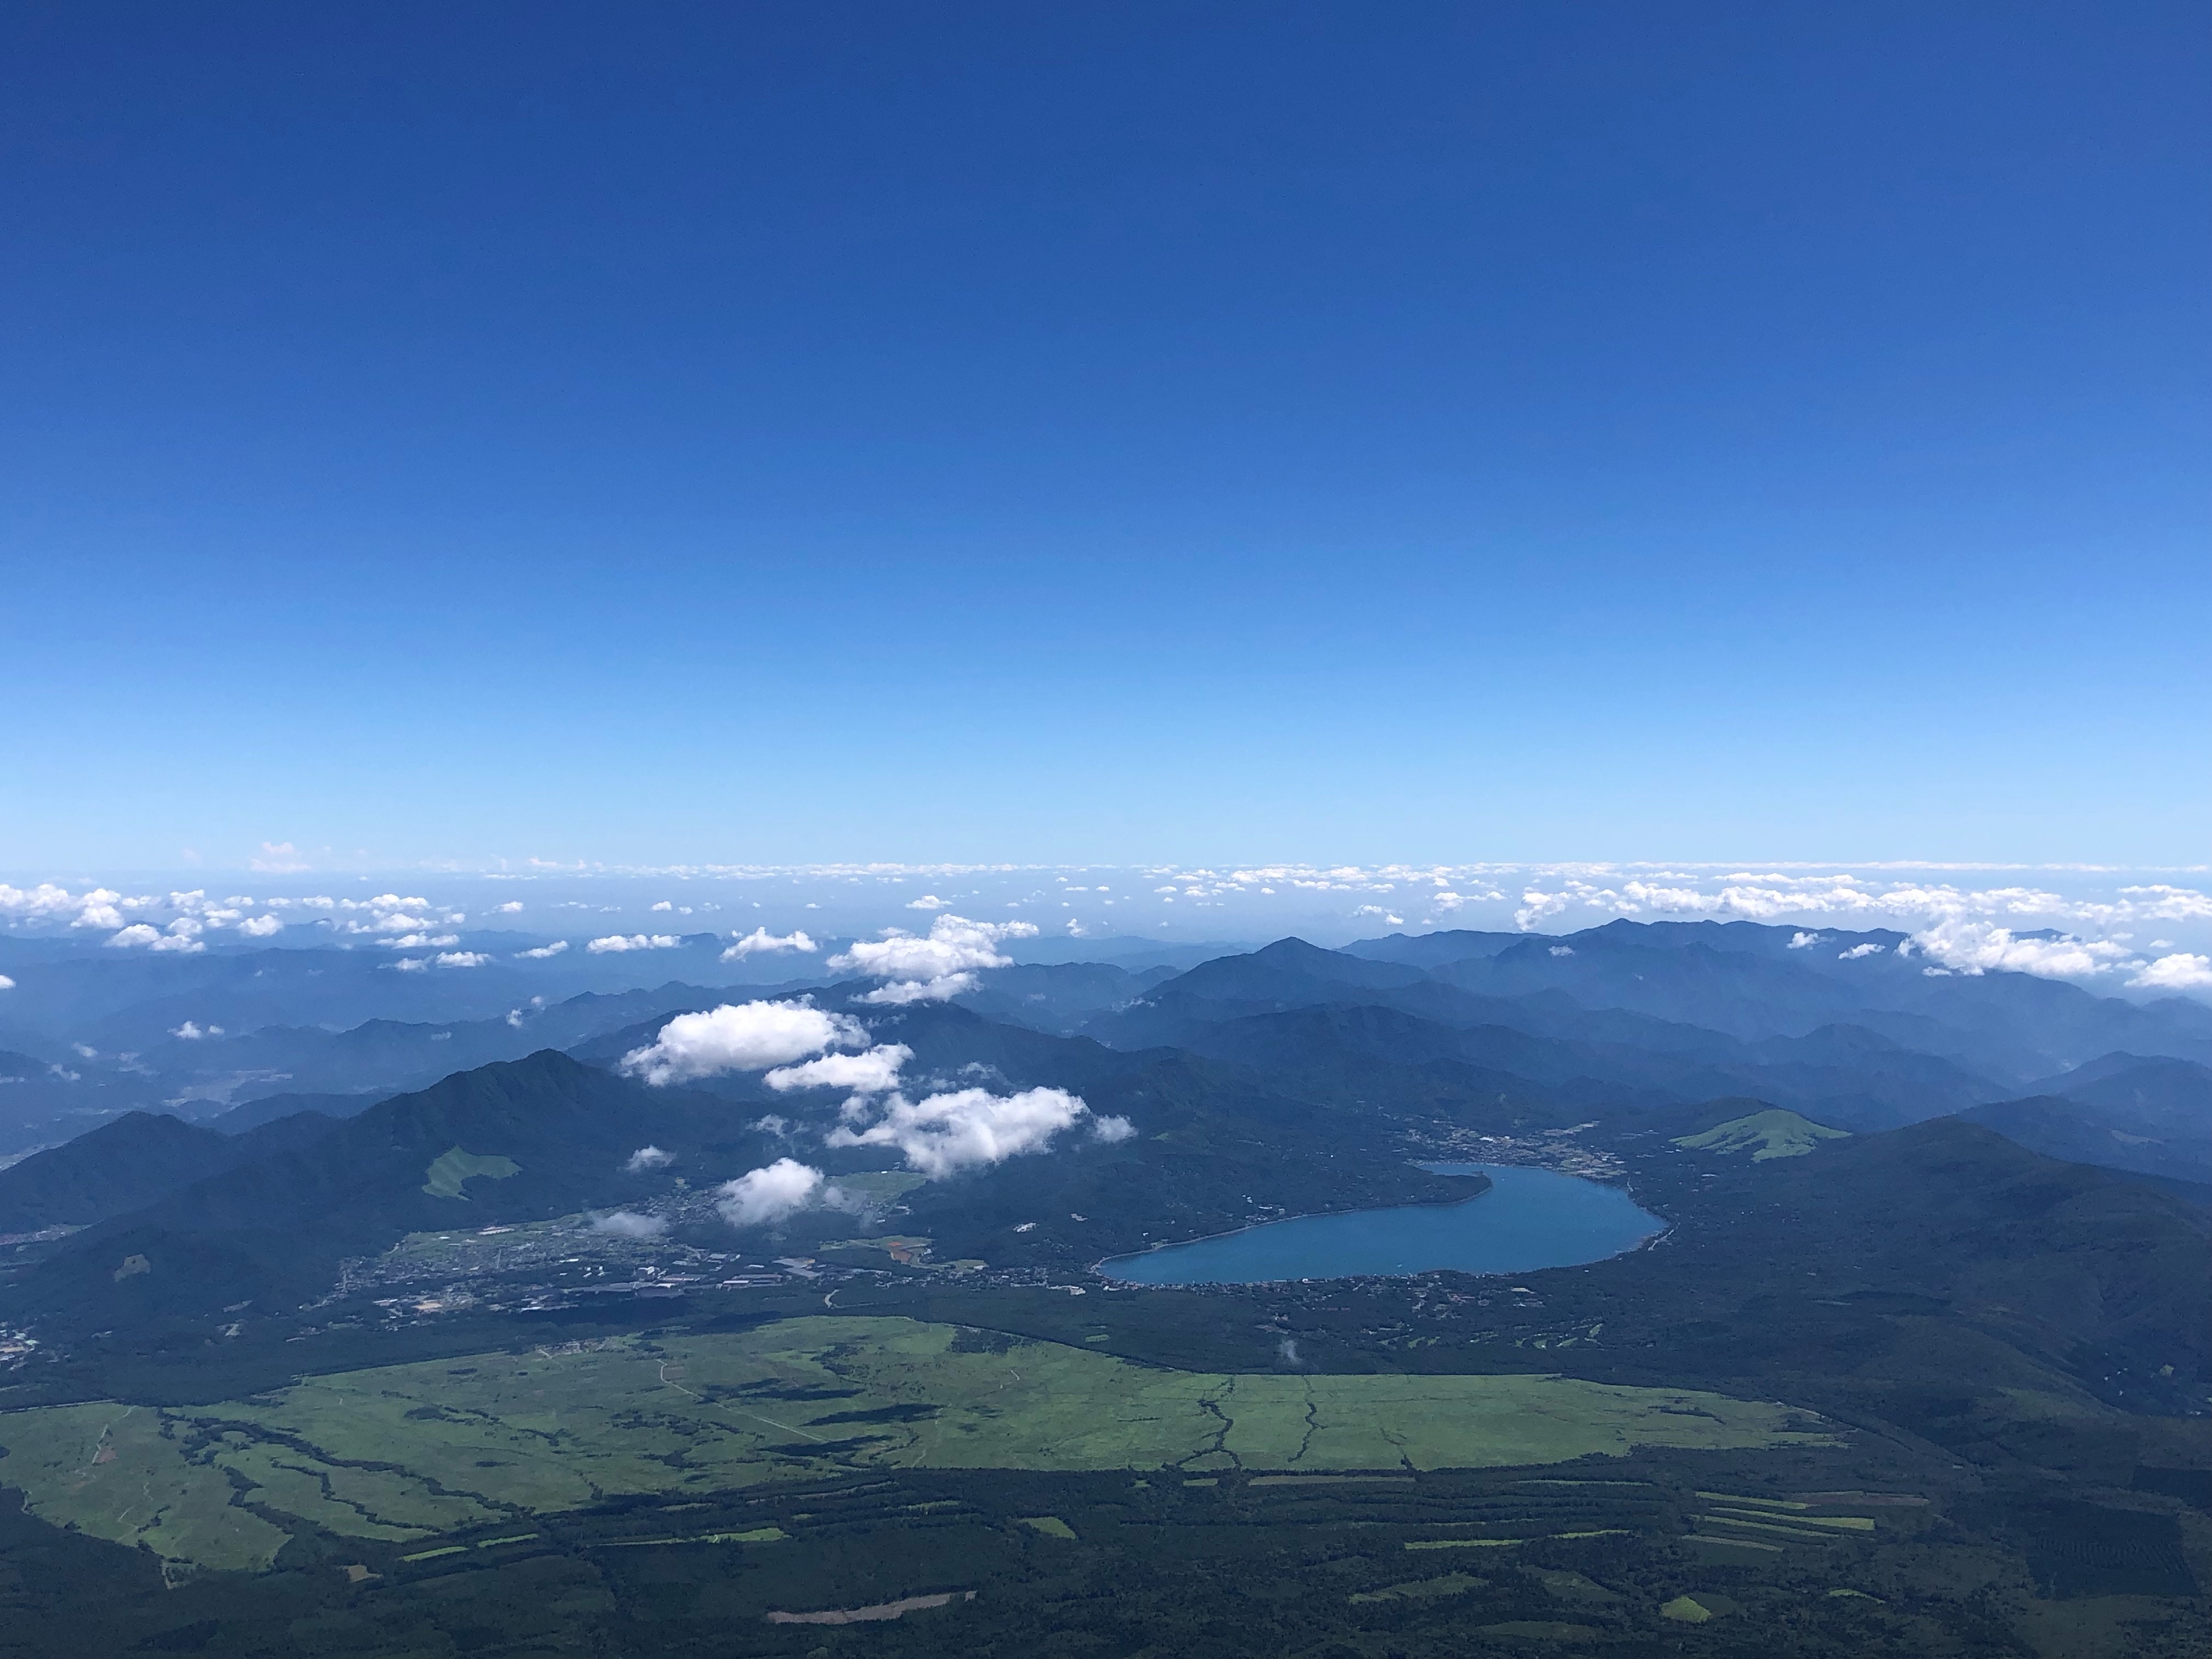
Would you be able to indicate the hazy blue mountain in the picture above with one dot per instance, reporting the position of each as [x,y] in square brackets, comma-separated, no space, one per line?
[1058,996]
[1752,981]
[275,1226]
[1129,953]
[383,1057]
[132,1161]
[1617,966]
[270,1107]
[2060,1127]
[2152,1089]
[1434,950]
[2152,1115]
[1855,1078]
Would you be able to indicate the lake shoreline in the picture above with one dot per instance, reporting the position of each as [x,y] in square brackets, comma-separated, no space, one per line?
[1547,1219]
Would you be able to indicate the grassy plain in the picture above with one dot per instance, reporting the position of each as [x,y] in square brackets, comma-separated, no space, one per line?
[1771,1133]
[409,1451]
[445,1177]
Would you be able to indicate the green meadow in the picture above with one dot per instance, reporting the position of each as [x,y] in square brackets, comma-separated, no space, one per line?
[409,1451]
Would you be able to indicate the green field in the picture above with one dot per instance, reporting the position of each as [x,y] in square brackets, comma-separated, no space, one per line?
[1768,1134]
[408,1451]
[446,1177]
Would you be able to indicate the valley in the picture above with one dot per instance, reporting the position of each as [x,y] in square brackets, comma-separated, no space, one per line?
[1864,1382]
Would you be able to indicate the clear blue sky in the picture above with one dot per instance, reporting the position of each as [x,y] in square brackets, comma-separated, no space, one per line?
[780,431]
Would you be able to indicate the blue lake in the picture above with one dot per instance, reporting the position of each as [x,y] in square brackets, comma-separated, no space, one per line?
[1529,1218]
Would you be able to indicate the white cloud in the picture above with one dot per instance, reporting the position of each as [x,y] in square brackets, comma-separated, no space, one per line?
[632,942]
[512,908]
[278,858]
[664,905]
[1980,947]
[761,939]
[927,901]
[768,1194]
[875,1072]
[412,964]
[1111,1129]
[462,959]
[970,1129]
[192,1033]
[901,992]
[46,901]
[6,984]
[1563,949]
[628,1224]
[1804,941]
[933,969]
[261,927]
[420,941]
[747,1036]
[648,1157]
[543,951]
[2178,972]
[176,942]
[1871,948]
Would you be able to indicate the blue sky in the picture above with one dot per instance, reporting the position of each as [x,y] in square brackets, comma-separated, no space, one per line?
[1184,433]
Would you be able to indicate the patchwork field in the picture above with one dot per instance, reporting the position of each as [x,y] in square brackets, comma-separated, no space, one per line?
[408,1451]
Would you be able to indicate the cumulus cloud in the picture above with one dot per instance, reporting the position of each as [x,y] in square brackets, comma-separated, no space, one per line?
[1804,941]
[769,1194]
[462,959]
[191,1032]
[1112,1129]
[927,901]
[1563,949]
[512,908]
[139,934]
[875,1072]
[761,939]
[1981,947]
[747,1036]
[632,942]
[628,1224]
[412,964]
[2178,972]
[261,927]
[969,1128]
[648,1157]
[6,984]
[46,901]
[1871,948]
[420,941]
[543,951]
[932,968]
